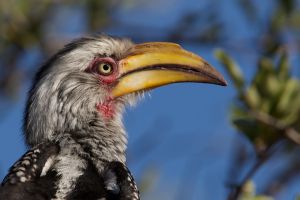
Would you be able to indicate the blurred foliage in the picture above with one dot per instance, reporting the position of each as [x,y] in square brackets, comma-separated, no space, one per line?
[22,25]
[267,107]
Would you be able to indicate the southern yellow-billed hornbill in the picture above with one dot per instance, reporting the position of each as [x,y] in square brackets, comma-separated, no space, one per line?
[73,120]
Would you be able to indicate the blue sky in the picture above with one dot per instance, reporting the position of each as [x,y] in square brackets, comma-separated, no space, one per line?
[189,122]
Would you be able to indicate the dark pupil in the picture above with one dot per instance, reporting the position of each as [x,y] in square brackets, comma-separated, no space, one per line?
[105,67]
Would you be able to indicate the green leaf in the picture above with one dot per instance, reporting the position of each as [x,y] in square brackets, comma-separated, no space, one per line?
[283,67]
[286,97]
[232,68]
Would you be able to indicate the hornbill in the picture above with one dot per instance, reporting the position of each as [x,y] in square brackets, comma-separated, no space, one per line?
[73,118]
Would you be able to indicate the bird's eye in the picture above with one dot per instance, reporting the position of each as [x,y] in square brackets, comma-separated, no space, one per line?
[105,69]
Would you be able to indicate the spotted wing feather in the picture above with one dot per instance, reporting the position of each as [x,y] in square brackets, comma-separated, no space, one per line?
[30,165]
[24,181]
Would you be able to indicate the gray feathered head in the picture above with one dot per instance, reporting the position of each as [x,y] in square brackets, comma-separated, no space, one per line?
[88,83]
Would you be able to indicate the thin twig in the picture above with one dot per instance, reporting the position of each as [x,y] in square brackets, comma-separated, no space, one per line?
[261,159]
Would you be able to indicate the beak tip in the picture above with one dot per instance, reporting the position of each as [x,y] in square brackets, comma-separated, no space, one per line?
[223,82]
[219,79]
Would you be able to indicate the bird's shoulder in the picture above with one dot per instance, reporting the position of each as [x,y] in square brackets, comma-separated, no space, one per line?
[32,164]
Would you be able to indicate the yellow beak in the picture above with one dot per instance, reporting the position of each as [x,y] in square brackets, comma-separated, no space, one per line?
[154,64]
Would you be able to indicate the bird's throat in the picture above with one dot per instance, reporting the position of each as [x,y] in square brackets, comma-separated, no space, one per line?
[107,109]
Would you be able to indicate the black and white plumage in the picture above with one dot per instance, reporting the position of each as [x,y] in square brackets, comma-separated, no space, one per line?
[31,177]
[73,119]
[23,179]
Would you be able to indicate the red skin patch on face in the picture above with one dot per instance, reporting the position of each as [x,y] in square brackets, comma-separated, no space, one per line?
[107,109]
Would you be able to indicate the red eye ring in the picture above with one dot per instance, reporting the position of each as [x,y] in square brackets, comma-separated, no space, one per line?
[105,69]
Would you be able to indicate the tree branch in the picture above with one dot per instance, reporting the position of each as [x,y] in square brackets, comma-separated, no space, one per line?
[289,132]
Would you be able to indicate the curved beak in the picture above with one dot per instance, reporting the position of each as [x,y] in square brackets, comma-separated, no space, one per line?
[154,64]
